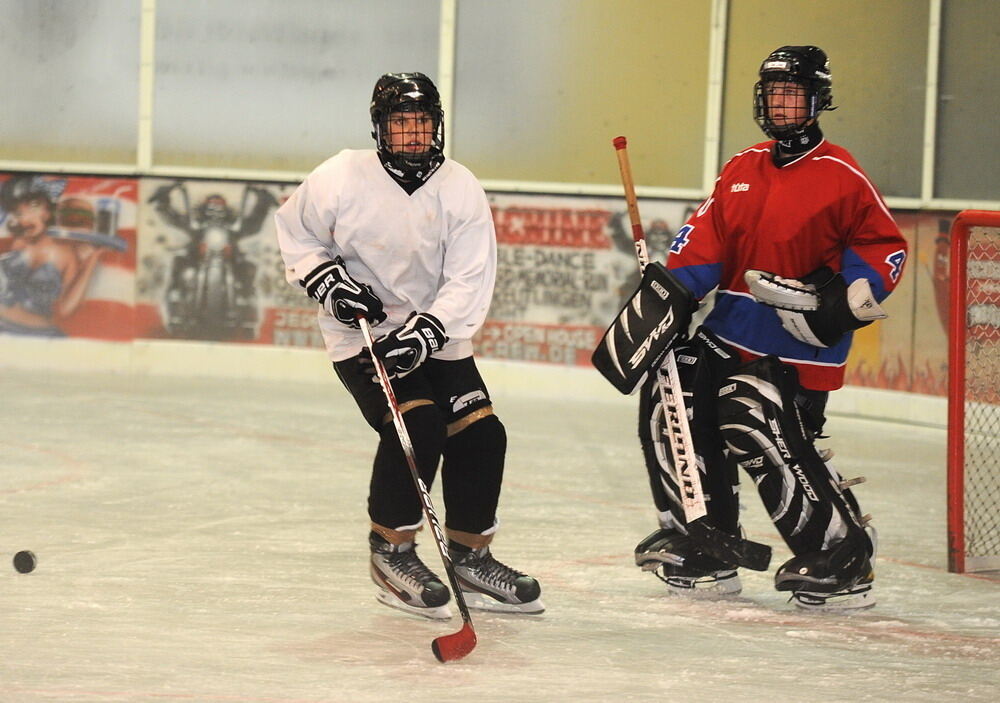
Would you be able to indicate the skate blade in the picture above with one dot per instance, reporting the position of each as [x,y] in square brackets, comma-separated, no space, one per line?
[705,589]
[709,593]
[858,598]
[651,561]
[442,612]
[479,601]
[843,603]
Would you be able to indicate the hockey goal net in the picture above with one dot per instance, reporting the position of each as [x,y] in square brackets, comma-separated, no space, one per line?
[974,393]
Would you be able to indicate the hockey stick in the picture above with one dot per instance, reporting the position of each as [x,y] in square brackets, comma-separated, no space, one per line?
[713,541]
[447,647]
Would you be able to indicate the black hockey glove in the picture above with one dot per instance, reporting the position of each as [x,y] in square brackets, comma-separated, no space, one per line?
[820,308]
[340,295]
[407,346]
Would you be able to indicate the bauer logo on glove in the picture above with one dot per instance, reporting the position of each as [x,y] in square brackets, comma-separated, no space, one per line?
[407,346]
[820,308]
[653,318]
[341,296]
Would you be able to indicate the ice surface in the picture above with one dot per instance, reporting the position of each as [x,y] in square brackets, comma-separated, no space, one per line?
[205,540]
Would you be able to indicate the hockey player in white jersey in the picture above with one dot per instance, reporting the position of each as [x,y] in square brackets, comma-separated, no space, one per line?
[404,236]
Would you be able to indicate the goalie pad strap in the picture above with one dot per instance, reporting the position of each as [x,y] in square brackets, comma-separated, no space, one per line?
[650,322]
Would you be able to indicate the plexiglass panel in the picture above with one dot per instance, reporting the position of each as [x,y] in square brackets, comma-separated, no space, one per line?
[273,84]
[968,135]
[541,89]
[70,76]
[878,57]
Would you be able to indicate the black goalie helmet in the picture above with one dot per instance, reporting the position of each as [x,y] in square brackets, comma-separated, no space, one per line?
[808,68]
[413,148]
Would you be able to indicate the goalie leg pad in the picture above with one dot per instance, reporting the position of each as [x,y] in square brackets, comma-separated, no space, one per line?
[652,320]
[702,362]
[766,434]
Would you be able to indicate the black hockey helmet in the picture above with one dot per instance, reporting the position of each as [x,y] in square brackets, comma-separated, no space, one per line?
[407,92]
[807,66]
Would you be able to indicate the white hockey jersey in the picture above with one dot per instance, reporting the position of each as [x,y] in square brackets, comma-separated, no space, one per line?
[433,251]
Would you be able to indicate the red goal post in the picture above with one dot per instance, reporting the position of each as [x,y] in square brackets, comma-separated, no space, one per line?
[974,393]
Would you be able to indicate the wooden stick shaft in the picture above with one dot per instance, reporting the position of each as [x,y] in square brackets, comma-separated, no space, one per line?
[638,236]
[674,413]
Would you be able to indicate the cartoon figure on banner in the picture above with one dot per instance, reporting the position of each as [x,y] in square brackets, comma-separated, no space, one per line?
[45,271]
[210,288]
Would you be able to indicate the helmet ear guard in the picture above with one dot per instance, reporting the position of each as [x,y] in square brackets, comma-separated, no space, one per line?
[407,92]
[805,66]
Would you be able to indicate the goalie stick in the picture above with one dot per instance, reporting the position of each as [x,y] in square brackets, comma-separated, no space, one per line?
[710,539]
[447,647]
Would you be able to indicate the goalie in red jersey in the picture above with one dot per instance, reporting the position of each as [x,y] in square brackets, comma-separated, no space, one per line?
[801,251]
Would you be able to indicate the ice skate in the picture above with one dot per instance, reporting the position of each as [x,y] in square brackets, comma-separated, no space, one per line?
[860,596]
[672,558]
[405,582]
[835,580]
[487,584]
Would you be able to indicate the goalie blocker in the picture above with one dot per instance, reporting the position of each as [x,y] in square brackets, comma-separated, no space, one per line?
[655,316]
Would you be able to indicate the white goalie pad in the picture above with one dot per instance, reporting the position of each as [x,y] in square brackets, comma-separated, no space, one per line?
[781,293]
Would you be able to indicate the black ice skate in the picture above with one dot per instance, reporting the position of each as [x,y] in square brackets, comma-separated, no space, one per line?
[673,559]
[838,579]
[490,585]
[404,581]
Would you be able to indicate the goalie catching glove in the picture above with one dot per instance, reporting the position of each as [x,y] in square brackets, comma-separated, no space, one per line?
[407,346]
[331,286]
[652,320]
[820,308]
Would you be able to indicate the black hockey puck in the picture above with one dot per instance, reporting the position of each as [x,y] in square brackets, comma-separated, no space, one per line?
[25,562]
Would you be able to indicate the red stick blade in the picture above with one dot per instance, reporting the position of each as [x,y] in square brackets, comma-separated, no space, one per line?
[451,647]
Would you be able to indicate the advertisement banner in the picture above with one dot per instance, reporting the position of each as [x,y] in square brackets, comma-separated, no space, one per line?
[117,258]
[565,264]
[67,256]
[209,266]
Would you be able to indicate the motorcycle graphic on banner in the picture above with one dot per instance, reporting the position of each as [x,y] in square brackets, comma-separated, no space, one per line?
[200,259]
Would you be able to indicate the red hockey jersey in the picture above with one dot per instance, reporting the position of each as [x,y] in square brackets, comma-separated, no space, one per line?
[819,210]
